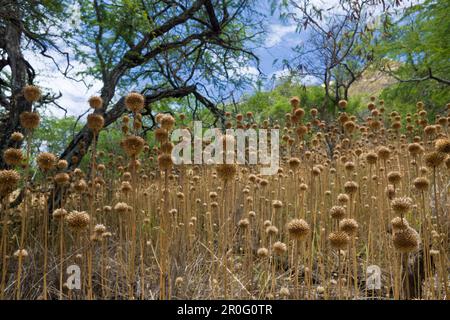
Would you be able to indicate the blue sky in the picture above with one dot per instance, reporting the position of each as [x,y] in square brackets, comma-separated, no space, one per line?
[278,42]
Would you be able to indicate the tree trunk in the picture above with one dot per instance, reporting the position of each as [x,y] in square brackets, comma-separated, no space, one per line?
[19,78]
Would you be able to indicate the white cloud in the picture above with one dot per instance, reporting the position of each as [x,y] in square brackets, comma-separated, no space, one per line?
[277,32]
[306,80]
[74,93]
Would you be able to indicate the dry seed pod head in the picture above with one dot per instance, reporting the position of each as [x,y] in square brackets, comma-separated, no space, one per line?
[95,102]
[80,186]
[399,224]
[121,208]
[134,102]
[337,212]
[226,171]
[167,122]
[22,253]
[295,102]
[406,240]
[371,158]
[343,198]
[133,145]
[17,136]
[443,145]
[8,181]
[262,253]
[298,229]
[294,163]
[394,177]
[46,161]
[165,161]
[434,159]
[13,156]
[243,223]
[279,248]
[339,240]
[95,122]
[125,187]
[271,231]
[421,183]
[350,187]
[99,229]
[415,149]
[29,120]
[349,226]
[61,178]
[384,153]
[62,164]
[161,135]
[401,205]
[31,93]
[277,204]
[59,213]
[343,104]
[78,220]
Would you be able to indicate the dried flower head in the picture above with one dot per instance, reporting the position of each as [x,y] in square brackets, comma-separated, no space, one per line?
[434,159]
[406,240]
[95,102]
[279,248]
[121,208]
[165,161]
[59,213]
[8,181]
[226,171]
[61,178]
[21,253]
[167,122]
[298,229]
[401,205]
[134,102]
[29,120]
[13,156]
[337,212]
[17,136]
[399,224]
[31,93]
[95,122]
[443,145]
[78,220]
[262,253]
[133,145]
[339,240]
[421,183]
[349,226]
[46,161]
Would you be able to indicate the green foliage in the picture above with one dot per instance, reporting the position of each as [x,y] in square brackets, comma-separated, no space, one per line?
[274,104]
[418,44]
[53,134]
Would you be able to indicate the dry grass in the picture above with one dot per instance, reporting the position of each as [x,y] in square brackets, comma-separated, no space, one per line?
[141,228]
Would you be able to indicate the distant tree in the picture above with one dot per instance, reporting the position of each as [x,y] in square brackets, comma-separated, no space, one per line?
[420,42]
[338,45]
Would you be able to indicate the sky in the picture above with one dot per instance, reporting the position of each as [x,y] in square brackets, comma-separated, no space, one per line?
[279,40]
[277,44]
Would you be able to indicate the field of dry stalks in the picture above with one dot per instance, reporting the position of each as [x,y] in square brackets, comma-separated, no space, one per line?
[350,193]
